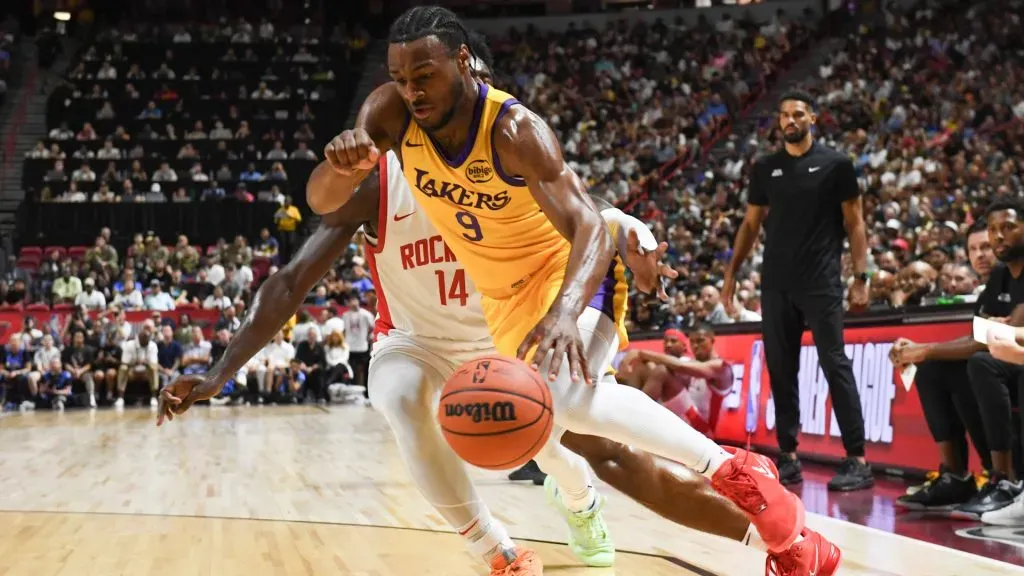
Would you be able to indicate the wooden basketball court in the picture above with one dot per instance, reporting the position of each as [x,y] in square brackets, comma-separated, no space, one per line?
[303,490]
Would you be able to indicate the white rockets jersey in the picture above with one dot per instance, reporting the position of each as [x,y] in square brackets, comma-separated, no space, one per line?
[422,290]
[707,396]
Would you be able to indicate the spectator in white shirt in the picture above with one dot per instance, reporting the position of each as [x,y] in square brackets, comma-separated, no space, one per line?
[215,273]
[44,356]
[217,300]
[358,328]
[275,356]
[129,298]
[330,322]
[89,297]
[301,330]
[139,362]
[157,299]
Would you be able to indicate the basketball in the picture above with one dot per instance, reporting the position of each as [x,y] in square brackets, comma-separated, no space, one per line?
[495,412]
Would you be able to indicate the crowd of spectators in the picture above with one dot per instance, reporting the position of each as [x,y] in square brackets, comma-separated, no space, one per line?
[627,99]
[154,113]
[929,107]
[118,317]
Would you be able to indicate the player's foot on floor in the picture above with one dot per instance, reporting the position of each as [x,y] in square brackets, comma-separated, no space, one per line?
[929,479]
[525,562]
[751,482]
[1012,515]
[525,472]
[852,475]
[588,534]
[998,493]
[812,556]
[944,493]
[790,471]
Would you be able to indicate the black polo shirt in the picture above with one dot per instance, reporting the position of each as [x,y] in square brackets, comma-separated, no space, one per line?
[804,228]
[1002,294]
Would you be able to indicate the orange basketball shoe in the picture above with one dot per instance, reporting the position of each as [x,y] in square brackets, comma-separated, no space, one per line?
[751,481]
[812,556]
[526,563]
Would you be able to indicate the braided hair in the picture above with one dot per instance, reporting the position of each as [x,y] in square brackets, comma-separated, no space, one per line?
[478,47]
[422,21]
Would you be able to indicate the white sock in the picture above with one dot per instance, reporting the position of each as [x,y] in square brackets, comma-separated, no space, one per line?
[627,415]
[753,539]
[486,536]
[579,500]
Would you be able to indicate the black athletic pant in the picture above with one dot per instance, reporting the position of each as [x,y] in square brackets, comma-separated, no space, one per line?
[951,408]
[784,315]
[360,363]
[997,386]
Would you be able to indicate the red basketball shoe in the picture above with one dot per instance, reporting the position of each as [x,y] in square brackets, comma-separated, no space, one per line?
[525,563]
[751,481]
[812,556]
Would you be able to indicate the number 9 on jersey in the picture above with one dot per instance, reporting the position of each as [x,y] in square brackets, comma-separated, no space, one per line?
[469,221]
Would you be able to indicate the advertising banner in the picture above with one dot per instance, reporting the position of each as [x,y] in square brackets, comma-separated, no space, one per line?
[894,425]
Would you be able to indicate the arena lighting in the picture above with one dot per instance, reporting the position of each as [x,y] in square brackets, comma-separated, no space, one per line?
[62,16]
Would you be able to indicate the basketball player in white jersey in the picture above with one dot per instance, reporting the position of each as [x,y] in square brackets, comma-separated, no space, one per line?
[415,353]
[692,388]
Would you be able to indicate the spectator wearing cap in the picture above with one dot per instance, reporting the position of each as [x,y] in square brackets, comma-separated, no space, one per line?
[157,299]
[90,298]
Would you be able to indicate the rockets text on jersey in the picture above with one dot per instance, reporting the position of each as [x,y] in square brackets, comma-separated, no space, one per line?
[422,290]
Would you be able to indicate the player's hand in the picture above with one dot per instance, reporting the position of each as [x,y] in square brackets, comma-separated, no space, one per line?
[351,151]
[858,295]
[909,353]
[1005,350]
[729,295]
[648,268]
[557,332]
[180,395]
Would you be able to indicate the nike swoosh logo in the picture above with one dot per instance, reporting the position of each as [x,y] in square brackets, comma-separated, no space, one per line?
[411,145]
[400,218]
[815,169]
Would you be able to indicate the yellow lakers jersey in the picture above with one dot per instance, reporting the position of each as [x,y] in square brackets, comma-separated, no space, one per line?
[488,218]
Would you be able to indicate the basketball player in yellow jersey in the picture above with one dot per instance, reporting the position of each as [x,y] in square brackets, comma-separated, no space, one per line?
[484,167]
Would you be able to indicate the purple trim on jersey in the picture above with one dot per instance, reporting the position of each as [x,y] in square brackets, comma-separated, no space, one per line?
[604,299]
[474,128]
[510,180]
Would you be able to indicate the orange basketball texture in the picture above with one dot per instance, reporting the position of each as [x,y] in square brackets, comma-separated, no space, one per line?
[495,412]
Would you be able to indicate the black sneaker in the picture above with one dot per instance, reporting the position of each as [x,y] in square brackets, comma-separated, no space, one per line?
[946,493]
[998,493]
[525,472]
[790,471]
[539,478]
[852,475]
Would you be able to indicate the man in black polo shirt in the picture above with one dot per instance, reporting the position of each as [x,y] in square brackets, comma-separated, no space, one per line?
[808,197]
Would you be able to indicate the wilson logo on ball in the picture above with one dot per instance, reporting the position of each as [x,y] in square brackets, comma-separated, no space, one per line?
[483,411]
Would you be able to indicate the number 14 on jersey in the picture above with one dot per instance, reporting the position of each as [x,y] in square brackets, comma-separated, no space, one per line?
[452,289]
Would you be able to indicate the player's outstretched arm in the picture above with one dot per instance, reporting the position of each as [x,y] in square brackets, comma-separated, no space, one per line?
[707,370]
[639,249]
[277,300]
[529,149]
[350,156]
